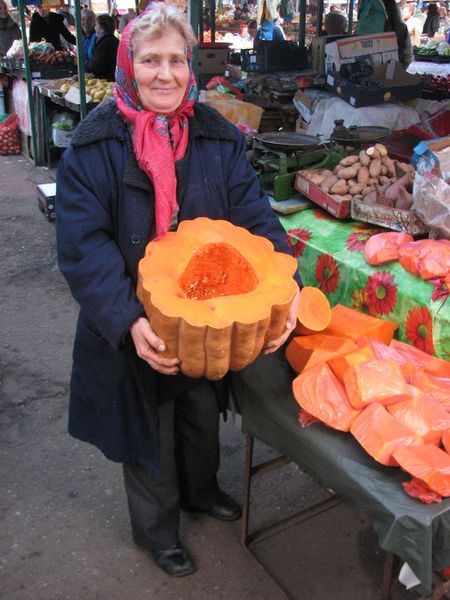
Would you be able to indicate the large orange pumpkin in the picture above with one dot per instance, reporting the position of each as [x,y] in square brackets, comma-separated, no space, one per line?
[215,294]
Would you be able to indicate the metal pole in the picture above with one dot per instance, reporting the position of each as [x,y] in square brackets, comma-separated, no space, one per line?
[319,17]
[193,16]
[302,23]
[212,17]
[26,59]
[351,8]
[80,59]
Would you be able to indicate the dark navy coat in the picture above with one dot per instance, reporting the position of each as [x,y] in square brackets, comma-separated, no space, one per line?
[105,217]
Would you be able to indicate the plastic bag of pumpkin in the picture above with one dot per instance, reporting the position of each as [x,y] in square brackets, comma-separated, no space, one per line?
[394,399]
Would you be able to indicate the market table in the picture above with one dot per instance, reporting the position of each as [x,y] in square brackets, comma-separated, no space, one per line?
[330,256]
[417,533]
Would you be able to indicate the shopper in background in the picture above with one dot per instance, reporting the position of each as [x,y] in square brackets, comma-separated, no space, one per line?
[104,56]
[138,165]
[335,24]
[432,24]
[444,21]
[49,26]
[115,15]
[270,31]
[126,18]
[88,32]
[9,30]
[395,23]
[371,17]
[414,22]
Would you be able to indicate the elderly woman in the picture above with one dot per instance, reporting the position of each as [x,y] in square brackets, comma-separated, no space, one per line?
[138,165]
[9,30]
[104,54]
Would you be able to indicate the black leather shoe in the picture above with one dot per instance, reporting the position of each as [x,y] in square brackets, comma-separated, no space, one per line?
[175,561]
[225,508]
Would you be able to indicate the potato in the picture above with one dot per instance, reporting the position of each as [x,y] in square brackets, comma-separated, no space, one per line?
[383,180]
[381,149]
[363,175]
[367,190]
[390,166]
[356,189]
[328,183]
[339,198]
[375,168]
[348,161]
[405,200]
[373,152]
[348,172]
[372,181]
[326,172]
[364,158]
[340,188]
[383,169]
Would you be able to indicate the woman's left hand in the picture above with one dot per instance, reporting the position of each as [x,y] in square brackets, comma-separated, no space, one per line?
[291,322]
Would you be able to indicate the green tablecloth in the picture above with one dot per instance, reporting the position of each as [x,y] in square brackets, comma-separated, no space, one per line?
[330,256]
[418,533]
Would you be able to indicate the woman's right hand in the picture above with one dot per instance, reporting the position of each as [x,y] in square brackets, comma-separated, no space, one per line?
[148,347]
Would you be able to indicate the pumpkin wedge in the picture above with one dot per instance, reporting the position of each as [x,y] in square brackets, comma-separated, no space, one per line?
[215,294]
[314,311]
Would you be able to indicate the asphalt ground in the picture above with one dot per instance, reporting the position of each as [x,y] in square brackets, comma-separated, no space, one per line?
[64,530]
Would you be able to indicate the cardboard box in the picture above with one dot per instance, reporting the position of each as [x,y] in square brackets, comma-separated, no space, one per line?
[212,59]
[305,101]
[396,85]
[318,50]
[433,156]
[391,218]
[340,209]
[46,194]
[378,48]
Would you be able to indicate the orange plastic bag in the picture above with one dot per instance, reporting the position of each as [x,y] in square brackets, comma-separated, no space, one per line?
[423,416]
[382,248]
[319,393]
[377,381]
[446,440]
[340,364]
[430,259]
[307,351]
[419,489]
[428,463]
[432,364]
[436,387]
[380,434]
[349,323]
[381,351]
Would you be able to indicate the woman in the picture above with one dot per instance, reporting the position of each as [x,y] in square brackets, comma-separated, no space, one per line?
[49,26]
[139,164]
[394,22]
[9,30]
[432,23]
[104,55]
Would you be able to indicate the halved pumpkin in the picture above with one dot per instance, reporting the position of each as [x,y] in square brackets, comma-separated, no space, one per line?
[215,294]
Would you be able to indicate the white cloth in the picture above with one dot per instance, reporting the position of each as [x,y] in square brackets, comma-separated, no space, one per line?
[429,68]
[392,116]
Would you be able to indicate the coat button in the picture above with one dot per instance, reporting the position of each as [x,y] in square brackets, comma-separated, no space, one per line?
[135,239]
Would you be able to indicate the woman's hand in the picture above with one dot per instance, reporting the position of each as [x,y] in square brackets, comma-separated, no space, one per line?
[148,347]
[291,322]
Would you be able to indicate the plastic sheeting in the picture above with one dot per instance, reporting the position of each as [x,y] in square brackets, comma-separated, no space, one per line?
[418,533]
[392,116]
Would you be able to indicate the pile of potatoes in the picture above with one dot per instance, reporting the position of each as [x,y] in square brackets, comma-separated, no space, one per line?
[370,176]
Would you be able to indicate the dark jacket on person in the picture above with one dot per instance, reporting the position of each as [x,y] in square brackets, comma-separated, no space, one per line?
[105,217]
[50,28]
[9,31]
[405,49]
[431,25]
[104,57]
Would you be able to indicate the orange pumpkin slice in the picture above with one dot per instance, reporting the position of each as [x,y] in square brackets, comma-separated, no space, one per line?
[215,294]
[349,323]
[304,352]
[340,364]
[428,463]
[314,311]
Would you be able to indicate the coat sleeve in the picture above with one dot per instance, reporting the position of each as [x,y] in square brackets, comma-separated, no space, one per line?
[88,255]
[66,33]
[248,204]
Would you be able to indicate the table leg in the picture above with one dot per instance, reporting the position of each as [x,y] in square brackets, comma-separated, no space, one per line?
[247,485]
[390,563]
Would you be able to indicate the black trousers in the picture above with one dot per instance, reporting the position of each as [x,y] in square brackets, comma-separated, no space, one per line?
[189,450]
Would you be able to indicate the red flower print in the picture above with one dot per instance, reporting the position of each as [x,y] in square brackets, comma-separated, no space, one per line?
[440,290]
[356,241]
[419,329]
[321,214]
[327,273]
[381,293]
[360,300]
[297,240]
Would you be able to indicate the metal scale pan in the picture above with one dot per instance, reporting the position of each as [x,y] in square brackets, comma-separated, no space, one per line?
[287,141]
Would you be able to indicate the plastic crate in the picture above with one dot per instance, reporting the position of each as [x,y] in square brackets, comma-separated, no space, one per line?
[251,62]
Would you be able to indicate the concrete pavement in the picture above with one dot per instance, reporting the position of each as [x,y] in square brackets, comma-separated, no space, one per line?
[64,531]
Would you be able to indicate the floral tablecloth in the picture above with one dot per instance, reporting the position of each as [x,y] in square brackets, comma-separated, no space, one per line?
[330,256]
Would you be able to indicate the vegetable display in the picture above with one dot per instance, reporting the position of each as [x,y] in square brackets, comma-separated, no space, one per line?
[215,294]
[9,136]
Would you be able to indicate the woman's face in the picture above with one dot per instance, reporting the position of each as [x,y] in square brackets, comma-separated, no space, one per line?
[161,71]
[3,10]
[99,31]
[43,12]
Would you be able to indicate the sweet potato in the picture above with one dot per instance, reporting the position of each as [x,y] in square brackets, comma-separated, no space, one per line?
[357,188]
[371,198]
[348,172]
[375,168]
[390,166]
[383,169]
[367,190]
[373,152]
[363,175]
[340,198]
[381,149]
[340,188]
[348,161]
[372,181]
[326,172]
[402,168]
[393,191]
[326,185]
[383,180]
[405,200]
[364,158]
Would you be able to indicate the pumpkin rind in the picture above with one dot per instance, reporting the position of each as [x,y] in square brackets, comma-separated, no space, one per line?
[217,334]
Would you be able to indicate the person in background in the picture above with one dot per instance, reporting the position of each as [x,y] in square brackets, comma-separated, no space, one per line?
[431,25]
[9,30]
[371,17]
[138,165]
[69,19]
[104,56]
[270,32]
[237,15]
[126,18]
[335,24]
[395,23]
[115,15]
[413,23]
[49,26]
[88,31]
[444,21]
